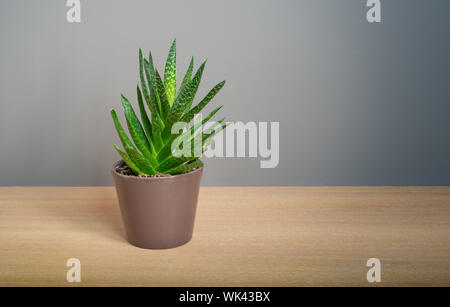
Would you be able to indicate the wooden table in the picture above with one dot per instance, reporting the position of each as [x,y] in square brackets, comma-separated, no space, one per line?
[244,236]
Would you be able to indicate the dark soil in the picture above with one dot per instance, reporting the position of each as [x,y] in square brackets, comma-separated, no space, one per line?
[125,170]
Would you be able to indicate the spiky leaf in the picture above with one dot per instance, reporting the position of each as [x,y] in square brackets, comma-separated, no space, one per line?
[182,101]
[142,162]
[165,106]
[185,168]
[188,75]
[204,141]
[145,89]
[138,159]
[153,84]
[145,119]
[153,105]
[208,138]
[136,131]
[126,143]
[172,162]
[128,161]
[167,148]
[191,113]
[195,85]
[170,73]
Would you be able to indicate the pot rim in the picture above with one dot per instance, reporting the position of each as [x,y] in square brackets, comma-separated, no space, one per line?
[164,178]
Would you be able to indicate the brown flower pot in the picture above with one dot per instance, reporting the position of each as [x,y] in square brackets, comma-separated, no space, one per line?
[158,212]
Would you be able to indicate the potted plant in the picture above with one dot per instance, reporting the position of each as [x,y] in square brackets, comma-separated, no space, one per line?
[158,179]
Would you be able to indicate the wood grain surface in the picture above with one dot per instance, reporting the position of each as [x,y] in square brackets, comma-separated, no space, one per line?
[244,236]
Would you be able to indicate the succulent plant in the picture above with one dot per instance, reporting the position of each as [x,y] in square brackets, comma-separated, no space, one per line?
[151,152]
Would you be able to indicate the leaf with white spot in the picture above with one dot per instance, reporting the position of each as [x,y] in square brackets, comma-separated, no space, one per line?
[170,74]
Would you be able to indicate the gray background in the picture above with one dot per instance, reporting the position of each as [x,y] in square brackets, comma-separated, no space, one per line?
[358,103]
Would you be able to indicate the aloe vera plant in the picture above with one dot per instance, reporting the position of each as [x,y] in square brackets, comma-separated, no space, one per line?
[150,151]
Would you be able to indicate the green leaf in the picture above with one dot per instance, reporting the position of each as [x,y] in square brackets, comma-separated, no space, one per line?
[136,131]
[208,139]
[153,106]
[142,162]
[145,89]
[172,162]
[188,75]
[150,99]
[170,73]
[165,106]
[212,128]
[156,131]
[133,154]
[144,118]
[128,161]
[182,101]
[189,154]
[167,148]
[121,132]
[205,140]
[151,77]
[195,85]
[185,168]
[191,113]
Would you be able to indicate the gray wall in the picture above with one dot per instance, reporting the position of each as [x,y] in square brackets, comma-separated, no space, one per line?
[358,103]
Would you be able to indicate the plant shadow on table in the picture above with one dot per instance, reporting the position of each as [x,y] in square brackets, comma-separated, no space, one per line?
[96,216]
[106,215]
